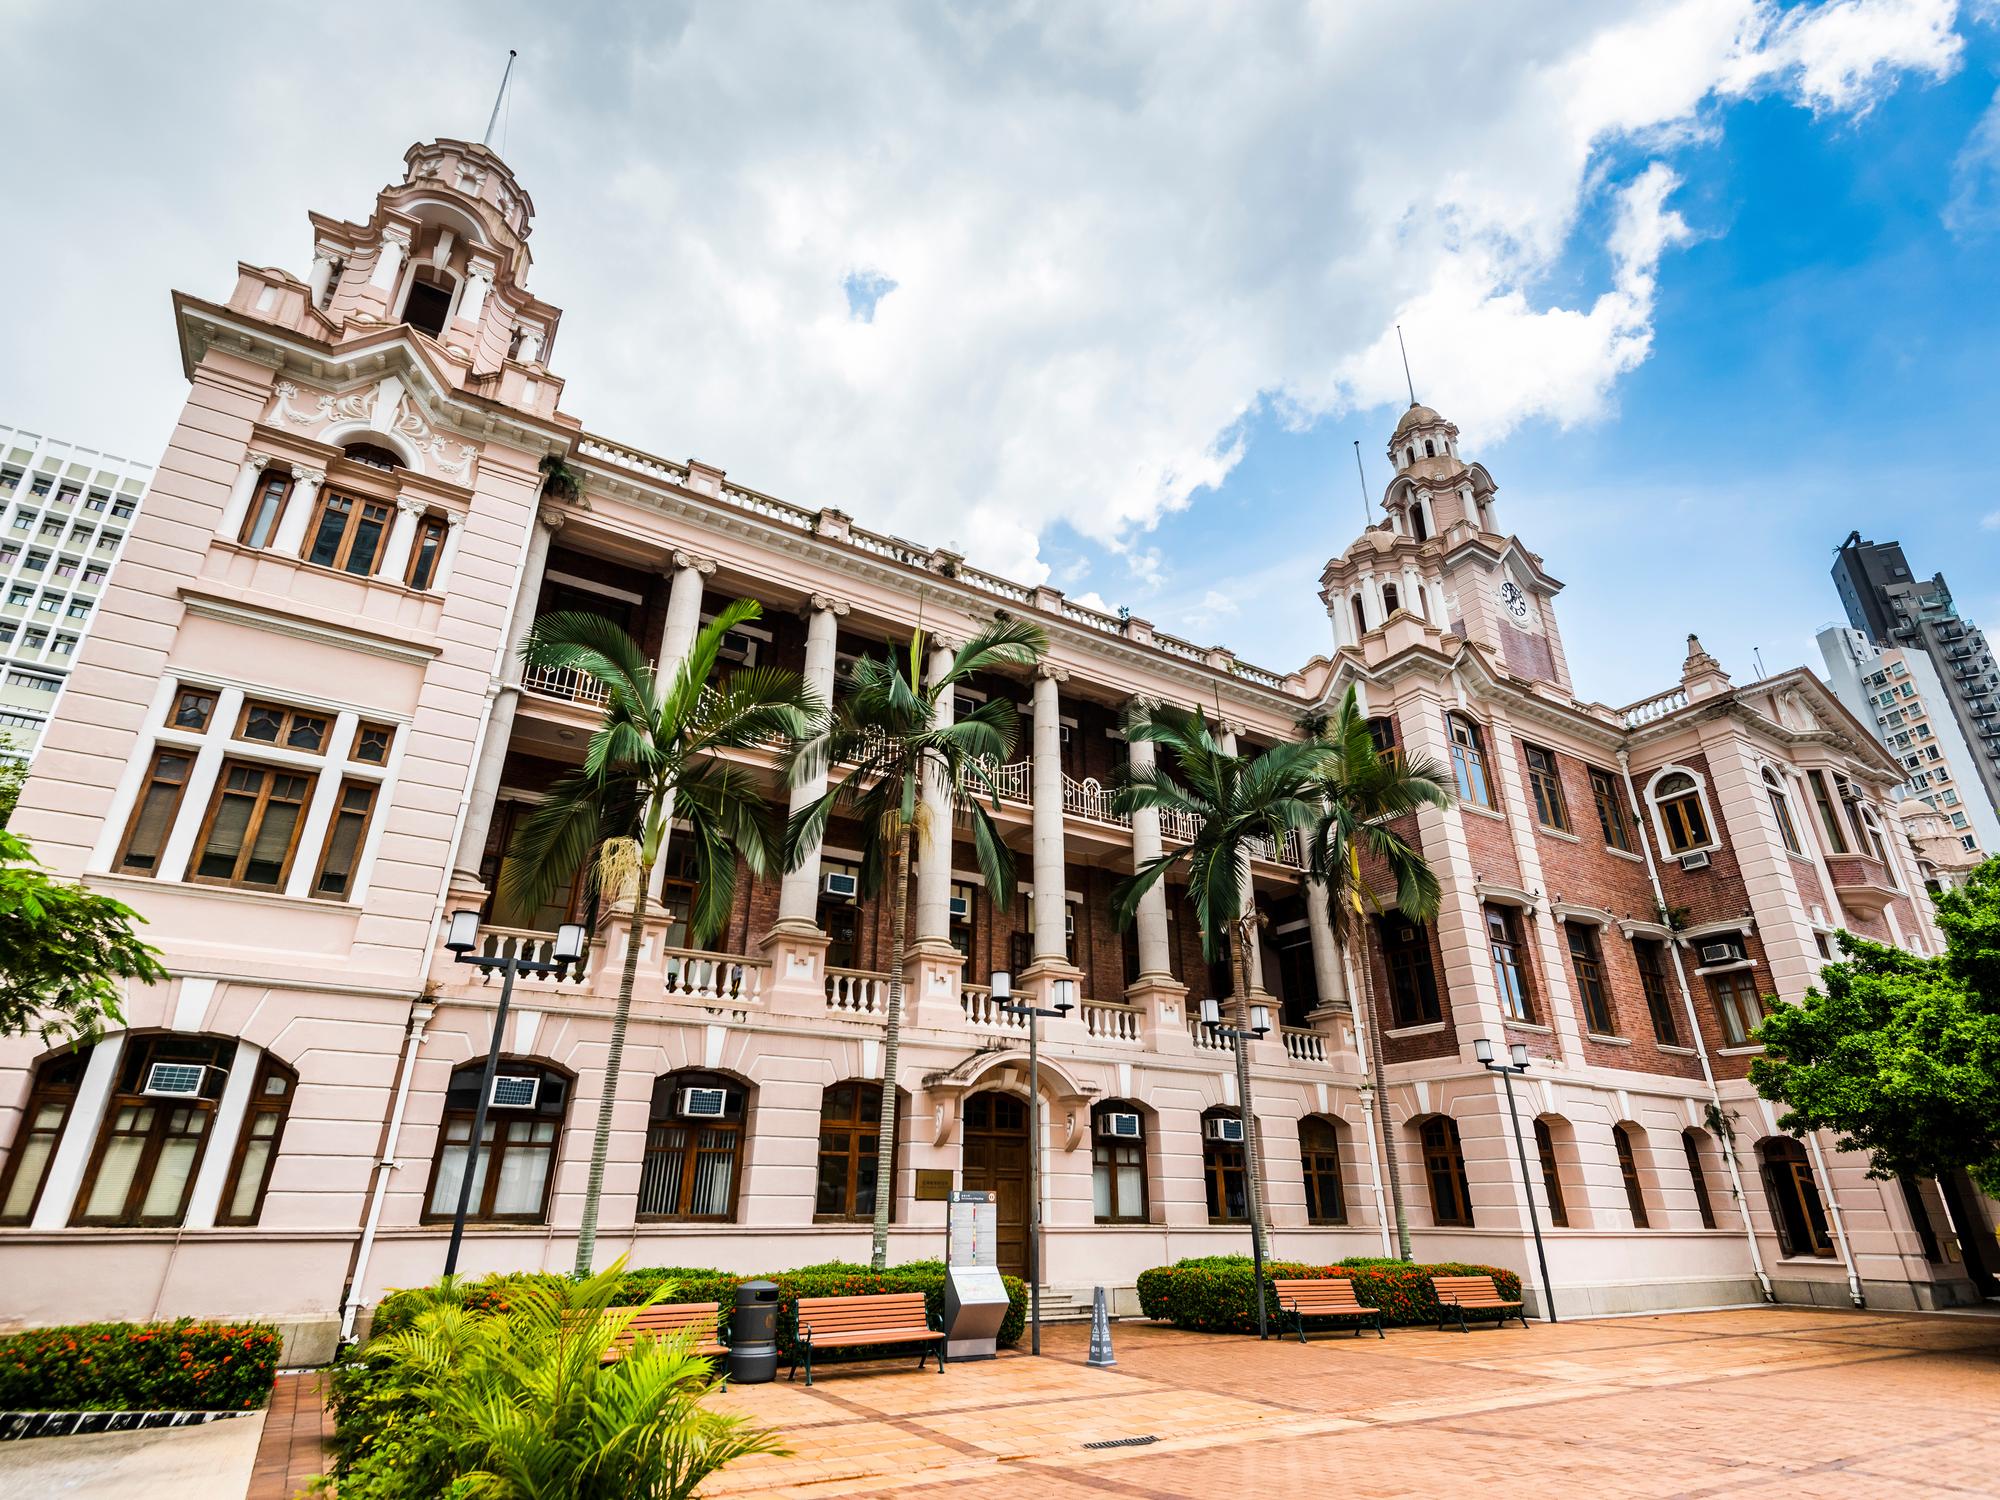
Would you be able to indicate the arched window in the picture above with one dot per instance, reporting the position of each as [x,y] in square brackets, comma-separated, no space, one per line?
[1545,1149]
[1510,974]
[1222,1166]
[1628,1168]
[257,1143]
[1677,805]
[1871,829]
[1392,600]
[850,1145]
[1468,760]
[510,1184]
[1319,1155]
[1360,616]
[267,505]
[50,1101]
[373,454]
[427,305]
[1118,1162]
[1781,806]
[348,532]
[1794,1197]
[1691,1145]
[694,1148]
[1420,525]
[1382,732]
[1409,455]
[1413,986]
[1444,1166]
[156,1128]
[1430,449]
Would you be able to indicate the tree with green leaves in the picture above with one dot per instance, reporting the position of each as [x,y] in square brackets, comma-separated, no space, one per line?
[1243,805]
[1361,788]
[884,728]
[63,950]
[1898,1055]
[655,758]
[13,776]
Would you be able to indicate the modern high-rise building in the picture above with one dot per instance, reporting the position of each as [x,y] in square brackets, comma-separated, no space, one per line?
[304,734]
[1897,692]
[65,511]
[1893,609]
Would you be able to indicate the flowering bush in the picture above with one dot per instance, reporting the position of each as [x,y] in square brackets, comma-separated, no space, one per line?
[1213,1294]
[184,1366]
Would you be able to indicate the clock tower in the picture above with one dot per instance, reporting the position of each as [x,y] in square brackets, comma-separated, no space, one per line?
[1440,557]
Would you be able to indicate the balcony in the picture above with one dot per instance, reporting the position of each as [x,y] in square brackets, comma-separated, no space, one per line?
[1861,883]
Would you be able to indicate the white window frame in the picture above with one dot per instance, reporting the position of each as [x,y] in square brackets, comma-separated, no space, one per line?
[1666,848]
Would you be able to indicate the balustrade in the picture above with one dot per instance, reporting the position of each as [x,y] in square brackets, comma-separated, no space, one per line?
[1655,708]
[1087,799]
[1303,1045]
[1112,1023]
[983,1011]
[857,992]
[720,977]
[533,947]
[564,682]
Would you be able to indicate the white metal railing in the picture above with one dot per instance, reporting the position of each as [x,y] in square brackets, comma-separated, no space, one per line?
[1654,708]
[1302,1045]
[983,1011]
[721,977]
[857,992]
[1112,1023]
[1181,827]
[539,947]
[1087,799]
[1204,1039]
[1288,850]
[564,682]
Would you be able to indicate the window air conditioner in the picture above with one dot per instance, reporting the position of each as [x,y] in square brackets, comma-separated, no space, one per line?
[1719,953]
[1069,921]
[840,883]
[704,1104]
[1224,1129]
[172,1080]
[738,648]
[1123,1126]
[1696,861]
[961,908]
[514,1091]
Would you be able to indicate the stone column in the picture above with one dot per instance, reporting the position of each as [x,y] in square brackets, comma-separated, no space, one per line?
[934,847]
[478,282]
[1050,883]
[321,275]
[1247,891]
[1413,592]
[798,900]
[530,350]
[1325,952]
[389,259]
[402,531]
[1156,991]
[676,640]
[454,523]
[298,511]
[506,688]
[238,507]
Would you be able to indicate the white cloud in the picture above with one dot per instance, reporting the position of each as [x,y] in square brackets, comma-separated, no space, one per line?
[1974,205]
[1112,232]
[1990,521]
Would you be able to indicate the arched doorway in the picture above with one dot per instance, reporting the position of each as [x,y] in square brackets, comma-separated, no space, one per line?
[995,1160]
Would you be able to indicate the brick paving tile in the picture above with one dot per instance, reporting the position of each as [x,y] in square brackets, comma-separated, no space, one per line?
[293,1446]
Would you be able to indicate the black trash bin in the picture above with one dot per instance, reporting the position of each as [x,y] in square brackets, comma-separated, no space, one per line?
[753,1334]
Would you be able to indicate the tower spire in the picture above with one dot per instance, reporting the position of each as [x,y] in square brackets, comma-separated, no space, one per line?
[493,119]
[1399,344]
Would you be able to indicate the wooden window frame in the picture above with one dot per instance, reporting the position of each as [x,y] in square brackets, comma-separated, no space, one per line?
[1692,1148]
[43,1092]
[691,1151]
[1468,761]
[343,551]
[253,826]
[361,731]
[1682,815]
[1649,956]
[1383,734]
[1545,782]
[1836,840]
[341,810]
[140,1052]
[1330,1153]
[1110,1163]
[860,1131]
[285,481]
[1586,958]
[1415,969]
[1787,1171]
[289,722]
[1444,1160]
[1545,1151]
[1628,1169]
[480,1211]
[429,524]
[173,813]
[1517,1002]
[1219,1159]
[260,1104]
[182,693]
[1782,806]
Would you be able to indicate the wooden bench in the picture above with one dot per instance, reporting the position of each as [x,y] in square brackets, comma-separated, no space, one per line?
[663,1320]
[1477,1294]
[1325,1297]
[855,1322]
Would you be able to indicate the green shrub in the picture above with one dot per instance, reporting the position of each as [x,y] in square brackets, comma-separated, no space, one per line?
[1214,1294]
[184,1366]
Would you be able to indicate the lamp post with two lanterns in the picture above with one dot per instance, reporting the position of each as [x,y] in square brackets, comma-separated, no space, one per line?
[1003,999]
[1518,1063]
[1236,1036]
[462,938]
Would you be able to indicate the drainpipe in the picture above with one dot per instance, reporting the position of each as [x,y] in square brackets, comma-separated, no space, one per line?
[1694,1029]
[420,1014]
[1368,1103]
[1854,1291]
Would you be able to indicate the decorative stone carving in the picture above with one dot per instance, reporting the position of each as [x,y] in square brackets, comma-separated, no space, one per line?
[685,560]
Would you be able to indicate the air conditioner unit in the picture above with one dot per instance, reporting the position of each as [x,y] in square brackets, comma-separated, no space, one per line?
[704,1104]
[172,1080]
[961,908]
[840,883]
[1719,953]
[514,1091]
[1123,1126]
[1069,921]
[1223,1128]
[738,648]
[1695,861]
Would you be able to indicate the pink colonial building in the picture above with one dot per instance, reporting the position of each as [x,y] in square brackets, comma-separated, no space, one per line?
[300,735]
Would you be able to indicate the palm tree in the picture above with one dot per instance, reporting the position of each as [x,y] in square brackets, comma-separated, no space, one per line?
[1243,804]
[884,727]
[1361,788]
[653,759]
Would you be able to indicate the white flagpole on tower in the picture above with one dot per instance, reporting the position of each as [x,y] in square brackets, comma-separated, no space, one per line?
[493,119]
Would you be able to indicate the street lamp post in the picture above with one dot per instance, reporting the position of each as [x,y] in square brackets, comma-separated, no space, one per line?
[462,937]
[1518,1053]
[1236,1036]
[1003,991]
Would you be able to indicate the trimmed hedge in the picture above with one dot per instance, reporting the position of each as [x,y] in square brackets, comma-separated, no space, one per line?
[1213,1294]
[183,1366]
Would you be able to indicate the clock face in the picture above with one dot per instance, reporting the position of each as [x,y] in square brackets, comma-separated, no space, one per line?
[1514,603]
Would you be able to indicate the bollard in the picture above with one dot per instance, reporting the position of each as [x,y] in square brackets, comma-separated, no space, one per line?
[1100,1332]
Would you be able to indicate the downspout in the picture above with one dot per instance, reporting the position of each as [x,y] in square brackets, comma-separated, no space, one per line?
[1854,1291]
[1361,1046]
[1694,1029]
[420,1014]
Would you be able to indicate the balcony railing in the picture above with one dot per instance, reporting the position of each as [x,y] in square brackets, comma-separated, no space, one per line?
[563,682]
[1087,799]
[983,1012]
[857,992]
[721,978]
[538,947]
[1655,708]
[1117,1024]
[1303,1045]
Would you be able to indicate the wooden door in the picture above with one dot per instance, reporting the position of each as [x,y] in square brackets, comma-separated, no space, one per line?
[996,1161]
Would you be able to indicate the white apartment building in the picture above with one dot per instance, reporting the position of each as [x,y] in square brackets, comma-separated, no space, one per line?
[65,511]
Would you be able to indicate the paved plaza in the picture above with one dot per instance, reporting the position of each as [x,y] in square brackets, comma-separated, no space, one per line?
[1754,1403]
